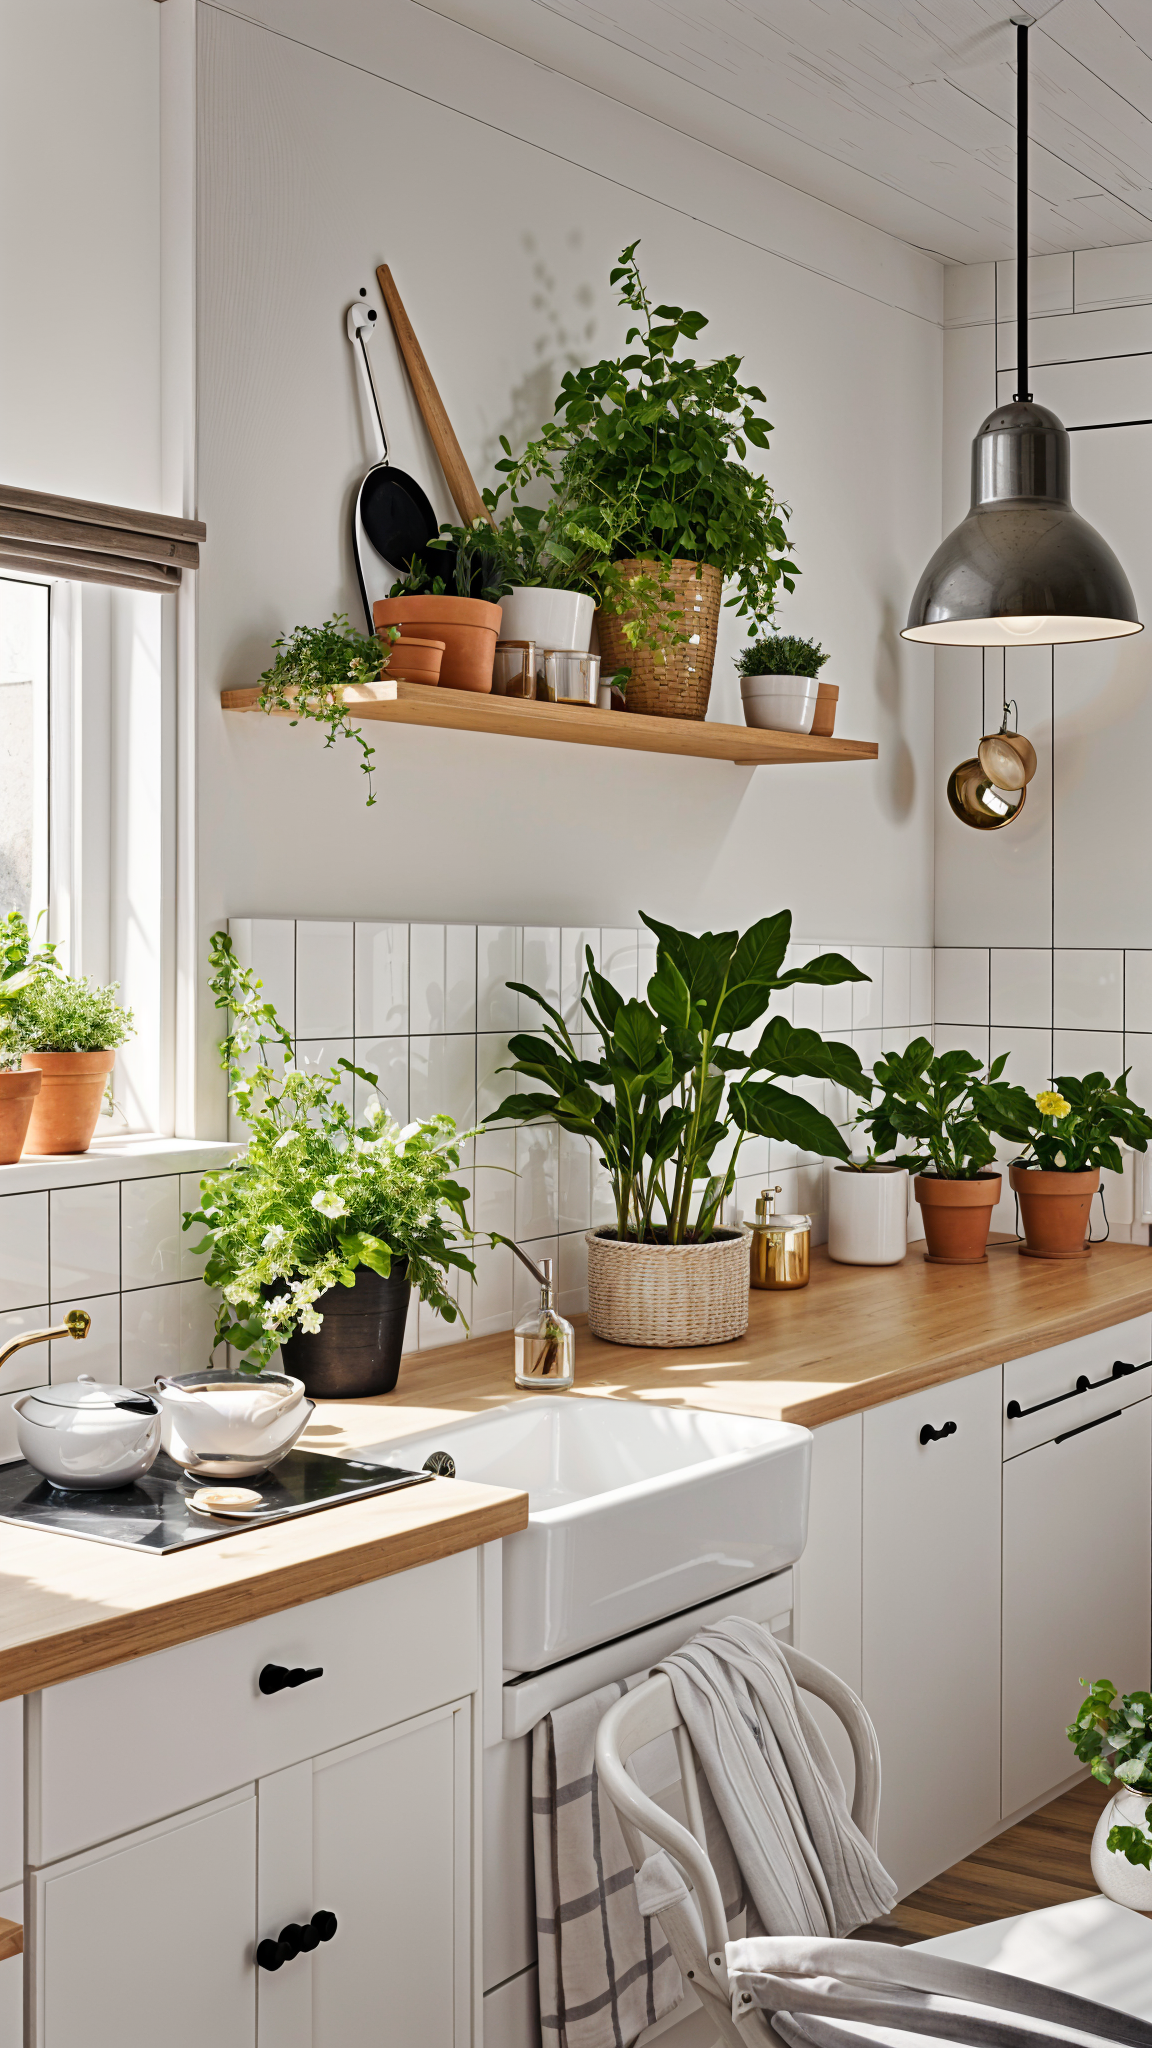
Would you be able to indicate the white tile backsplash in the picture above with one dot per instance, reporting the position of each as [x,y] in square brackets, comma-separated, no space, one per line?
[498,961]
[897,998]
[23,1250]
[324,979]
[99,1352]
[192,1262]
[541,971]
[150,1326]
[426,956]
[28,1368]
[867,996]
[1029,1055]
[574,944]
[920,994]
[84,1242]
[381,970]
[961,984]
[1021,986]
[1087,989]
[619,960]
[268,946]
[387,1058]
[1088,1052]
[150,1231]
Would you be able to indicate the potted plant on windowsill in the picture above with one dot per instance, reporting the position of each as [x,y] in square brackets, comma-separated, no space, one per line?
[318,1231]
[1113,1736]
[454,593]
[669,1092]
[779,682]
[930,1100]
[19,1086]
[1070,1130]
[652,496]
[68,1029]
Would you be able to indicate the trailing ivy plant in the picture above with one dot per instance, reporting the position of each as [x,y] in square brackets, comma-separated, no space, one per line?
[779,654]
[645,460]
[314,666]
[673,1084]
[1113,1736]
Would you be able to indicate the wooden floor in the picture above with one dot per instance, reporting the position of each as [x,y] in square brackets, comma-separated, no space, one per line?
[1040,1862]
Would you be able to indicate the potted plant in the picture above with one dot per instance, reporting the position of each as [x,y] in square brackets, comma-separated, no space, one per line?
[930,1099]
[867,1209]
[547,600]
[669,1090]
[318,1231]
[779,682]
[1113,1736]
[68,1029]
[19,1086]
[1071,1130]
[646,459]
[458,603]
[318,671]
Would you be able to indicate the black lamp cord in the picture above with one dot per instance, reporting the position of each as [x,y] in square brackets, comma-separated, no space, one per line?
[1022,23]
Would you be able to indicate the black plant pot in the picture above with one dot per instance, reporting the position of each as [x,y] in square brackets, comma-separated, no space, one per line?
[357,1350]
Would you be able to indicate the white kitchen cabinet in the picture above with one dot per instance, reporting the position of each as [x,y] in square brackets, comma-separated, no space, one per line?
[826,1616]
[931,1620]
[1077,1585]
[12,1975]
[151,1935]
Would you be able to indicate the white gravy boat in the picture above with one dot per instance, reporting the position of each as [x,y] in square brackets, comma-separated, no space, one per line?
[232,1414]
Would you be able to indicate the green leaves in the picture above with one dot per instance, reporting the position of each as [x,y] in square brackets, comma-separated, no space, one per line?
[771,1112]
[1098,1117]
[1133,1843]
[786,1048]
[314,665]
[1113,1736]
[935,1103]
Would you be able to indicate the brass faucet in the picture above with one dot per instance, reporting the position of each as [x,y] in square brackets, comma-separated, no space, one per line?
[77,1323]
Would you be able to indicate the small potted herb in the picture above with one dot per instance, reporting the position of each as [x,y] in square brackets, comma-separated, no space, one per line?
[930,1101]
[19,1086]
[669,1091]
[316,674]
[453,593]
[69,1029]
[318,1231]
[1113,1736]
[1070,1130]
[779,682]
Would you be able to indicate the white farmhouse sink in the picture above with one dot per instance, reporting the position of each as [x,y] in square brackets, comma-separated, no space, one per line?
[635,1512]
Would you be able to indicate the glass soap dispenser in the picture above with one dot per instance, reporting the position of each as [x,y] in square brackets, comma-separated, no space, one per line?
[545,1342]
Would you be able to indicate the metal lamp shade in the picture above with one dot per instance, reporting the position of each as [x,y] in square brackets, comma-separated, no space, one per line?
[1023,569]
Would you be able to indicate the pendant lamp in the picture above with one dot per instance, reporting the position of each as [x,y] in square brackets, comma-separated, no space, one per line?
[1023,569]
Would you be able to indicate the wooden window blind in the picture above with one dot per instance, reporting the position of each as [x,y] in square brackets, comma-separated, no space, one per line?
[91,543]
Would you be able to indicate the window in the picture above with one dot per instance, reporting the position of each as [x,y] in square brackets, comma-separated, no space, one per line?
[24,780]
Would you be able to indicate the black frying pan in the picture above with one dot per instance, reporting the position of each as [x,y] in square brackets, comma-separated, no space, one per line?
[390,509]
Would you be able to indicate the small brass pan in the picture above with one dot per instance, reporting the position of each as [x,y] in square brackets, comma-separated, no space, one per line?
[977,803]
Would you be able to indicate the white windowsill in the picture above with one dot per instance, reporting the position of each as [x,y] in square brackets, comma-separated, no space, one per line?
[130,1157]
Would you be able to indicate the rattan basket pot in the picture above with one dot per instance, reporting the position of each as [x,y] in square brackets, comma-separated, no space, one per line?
[668,1294]
[678,685]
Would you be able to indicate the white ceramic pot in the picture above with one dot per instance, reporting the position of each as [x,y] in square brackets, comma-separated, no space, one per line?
[229,1424]
[780,703]
[84,1435]
[867,1215]
[1129,1884]
[552,618]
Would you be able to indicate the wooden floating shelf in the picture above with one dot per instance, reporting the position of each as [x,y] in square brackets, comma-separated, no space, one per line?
[581,725]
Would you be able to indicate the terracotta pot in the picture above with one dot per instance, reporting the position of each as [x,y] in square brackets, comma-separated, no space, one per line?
[65,1110]
[678,686]
[415,661]
[468,627]
[18,1092]
[1054,1210]
[957,1216]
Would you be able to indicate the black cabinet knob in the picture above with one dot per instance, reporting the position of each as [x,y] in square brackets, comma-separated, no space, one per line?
[296,1940]
[278,1678]
[928,1435]
[325,1925]
[270,1955]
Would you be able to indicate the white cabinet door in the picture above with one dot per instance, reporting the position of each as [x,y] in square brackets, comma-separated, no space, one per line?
[391,1857]
[1077,1587]
[151,1937]
[826,1616]
[931,1621]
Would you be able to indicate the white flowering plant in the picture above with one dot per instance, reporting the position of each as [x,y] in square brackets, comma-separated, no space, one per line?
[314,1195]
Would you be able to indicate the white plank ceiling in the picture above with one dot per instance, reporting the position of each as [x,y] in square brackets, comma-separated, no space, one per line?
[902,112]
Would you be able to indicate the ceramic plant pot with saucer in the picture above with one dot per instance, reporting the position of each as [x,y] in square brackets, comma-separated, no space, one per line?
[957,1216]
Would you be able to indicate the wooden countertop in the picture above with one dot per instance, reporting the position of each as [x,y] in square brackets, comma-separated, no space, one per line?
[68,1607]
[854,1337]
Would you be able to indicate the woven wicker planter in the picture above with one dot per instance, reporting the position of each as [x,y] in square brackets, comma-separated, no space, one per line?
[678,686]
[668,1294]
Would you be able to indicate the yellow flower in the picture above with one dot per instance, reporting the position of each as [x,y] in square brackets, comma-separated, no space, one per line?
[1049,1103]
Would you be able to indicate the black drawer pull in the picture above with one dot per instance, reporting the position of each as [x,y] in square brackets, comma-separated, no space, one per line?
[928,1435]
[296,1940]
[1084,1385]
[278,1678]
[1100,1419]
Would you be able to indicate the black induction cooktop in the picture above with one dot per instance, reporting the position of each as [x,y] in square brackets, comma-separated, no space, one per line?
[153,1514]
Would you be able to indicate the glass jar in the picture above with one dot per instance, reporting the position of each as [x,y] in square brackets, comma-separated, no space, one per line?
[781,1245]
[545,1343]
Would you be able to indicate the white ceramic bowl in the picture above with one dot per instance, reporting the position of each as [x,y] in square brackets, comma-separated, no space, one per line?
[88,1436]
[259,1457]
[780,703]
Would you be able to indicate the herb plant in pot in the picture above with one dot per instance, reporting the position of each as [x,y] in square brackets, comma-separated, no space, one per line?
[69,1029]
[319,671]
[668,1104]
[1113,1735]
[318,1231]
[780,682]
[19,1086]
[930,1101]
[454,595]
[1070,1130]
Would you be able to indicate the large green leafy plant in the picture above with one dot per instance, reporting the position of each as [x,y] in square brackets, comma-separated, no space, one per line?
[314,1195]
[1072,1127]
[1113,1736]
[645,459]
[931,1105]
[677,1077]
[314,666]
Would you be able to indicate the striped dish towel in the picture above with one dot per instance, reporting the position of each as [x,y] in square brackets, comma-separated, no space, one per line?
[606,1973]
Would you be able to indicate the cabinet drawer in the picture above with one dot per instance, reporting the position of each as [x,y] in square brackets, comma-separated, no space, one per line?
[1046,1386]
[121,1748]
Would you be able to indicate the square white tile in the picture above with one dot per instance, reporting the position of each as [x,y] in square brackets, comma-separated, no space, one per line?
[460,977]
[1088,1052]
[897,1000]
[1087,989]
[541,972]
[1138,991]
[572,1289]
[492,1290]
[387,1058]
[807,999]
[537,1179]
[646,951]
[574,1181]
[84,1241]
[920,987]
[426,954]
[268,946]
[527,1290]
[1029,1055]
[838,1001]
[494,1203]
[381,956]
[99,1352]
[198,1306]
[23,1250]
[619,957]
[320,1055]
[324,973]
[494,1083]
[150,1231]
[868,996]
[971,1038]
[498,961]
[151,1321]
[29,1368]
[442,1079]
[435,1329]
[192,1263]
[1138,1056]
[1021,986]
[574,944]
[961,984]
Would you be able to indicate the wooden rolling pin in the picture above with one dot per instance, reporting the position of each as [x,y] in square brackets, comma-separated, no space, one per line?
[469,504]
